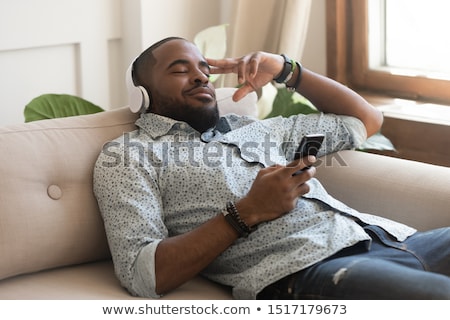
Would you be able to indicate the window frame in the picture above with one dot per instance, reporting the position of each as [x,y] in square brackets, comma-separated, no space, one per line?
[348,61]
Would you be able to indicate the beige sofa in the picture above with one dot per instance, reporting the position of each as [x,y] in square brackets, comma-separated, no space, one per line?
[52,241]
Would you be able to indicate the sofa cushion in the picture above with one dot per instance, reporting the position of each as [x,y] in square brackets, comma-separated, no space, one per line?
[407,191]
[95,281]
[48,213]
[246,106]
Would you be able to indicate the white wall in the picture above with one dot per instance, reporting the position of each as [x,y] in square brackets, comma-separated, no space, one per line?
[147,21]
[55,46]
[83,47]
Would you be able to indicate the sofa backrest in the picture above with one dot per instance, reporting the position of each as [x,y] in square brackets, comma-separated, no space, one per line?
[48,213]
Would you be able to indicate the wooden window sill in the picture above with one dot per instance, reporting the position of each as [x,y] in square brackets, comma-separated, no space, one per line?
[419,131]
[409,109]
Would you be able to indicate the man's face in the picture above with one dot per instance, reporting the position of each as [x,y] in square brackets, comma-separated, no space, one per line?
[179,85]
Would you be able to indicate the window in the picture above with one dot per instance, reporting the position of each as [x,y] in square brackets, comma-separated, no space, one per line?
[409,36]
[398,47]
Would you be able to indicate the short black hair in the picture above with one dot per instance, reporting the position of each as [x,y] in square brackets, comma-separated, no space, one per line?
[146,57]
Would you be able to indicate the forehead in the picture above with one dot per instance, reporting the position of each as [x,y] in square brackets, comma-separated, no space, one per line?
[176,50]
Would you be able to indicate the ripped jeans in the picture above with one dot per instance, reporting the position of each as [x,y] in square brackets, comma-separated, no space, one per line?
[417,268]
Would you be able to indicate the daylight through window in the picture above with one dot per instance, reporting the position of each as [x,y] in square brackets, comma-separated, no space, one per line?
[410,37]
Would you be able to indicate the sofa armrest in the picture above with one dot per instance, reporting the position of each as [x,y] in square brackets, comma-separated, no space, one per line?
[415,193]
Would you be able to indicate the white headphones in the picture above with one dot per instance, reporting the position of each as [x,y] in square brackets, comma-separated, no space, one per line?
[138,97]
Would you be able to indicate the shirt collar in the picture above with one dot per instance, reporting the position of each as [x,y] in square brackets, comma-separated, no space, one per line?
[156,125]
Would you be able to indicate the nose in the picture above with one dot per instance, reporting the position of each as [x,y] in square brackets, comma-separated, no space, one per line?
[200,77]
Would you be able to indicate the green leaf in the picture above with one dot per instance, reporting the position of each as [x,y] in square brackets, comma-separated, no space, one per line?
[49,106]
[289,103]
[212,43]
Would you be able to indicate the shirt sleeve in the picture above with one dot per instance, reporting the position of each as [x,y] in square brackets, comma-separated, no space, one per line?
[356,129]
[341,132]
[131,208]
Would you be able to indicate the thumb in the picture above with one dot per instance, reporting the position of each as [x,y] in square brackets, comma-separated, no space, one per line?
[242,92]
[302,162]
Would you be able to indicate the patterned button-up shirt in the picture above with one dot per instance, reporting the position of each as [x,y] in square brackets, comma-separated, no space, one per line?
[165,179]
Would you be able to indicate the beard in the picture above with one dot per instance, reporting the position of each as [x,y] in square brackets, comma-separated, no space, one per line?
[200,118]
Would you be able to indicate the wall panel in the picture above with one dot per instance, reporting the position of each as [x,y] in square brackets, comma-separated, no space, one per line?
[27,73]
[58,46]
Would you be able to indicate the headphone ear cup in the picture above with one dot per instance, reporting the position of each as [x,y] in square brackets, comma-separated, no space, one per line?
[138,97]
[145,98]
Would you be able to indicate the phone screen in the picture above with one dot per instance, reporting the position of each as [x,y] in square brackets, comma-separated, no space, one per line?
[309,146]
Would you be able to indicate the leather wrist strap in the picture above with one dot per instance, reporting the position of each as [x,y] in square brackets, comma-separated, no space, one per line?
[232,217]
[287,70]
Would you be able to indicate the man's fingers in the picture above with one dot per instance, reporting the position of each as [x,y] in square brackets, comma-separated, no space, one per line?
[222,66]
[300,164]
[242,92]
[246,67]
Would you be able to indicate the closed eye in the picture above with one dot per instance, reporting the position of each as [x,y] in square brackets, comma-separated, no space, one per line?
[180,71]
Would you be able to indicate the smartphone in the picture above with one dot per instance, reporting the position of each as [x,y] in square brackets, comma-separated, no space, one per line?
[309,146]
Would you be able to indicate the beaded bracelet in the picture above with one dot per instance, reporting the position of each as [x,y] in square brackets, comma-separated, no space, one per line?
[232,217]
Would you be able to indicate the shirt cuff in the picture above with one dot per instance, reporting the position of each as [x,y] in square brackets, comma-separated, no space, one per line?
[356,128]
[144,280]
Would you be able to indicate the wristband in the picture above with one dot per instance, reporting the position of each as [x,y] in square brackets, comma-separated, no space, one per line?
[287,70]
[298,79]
[232,217]
[289,77]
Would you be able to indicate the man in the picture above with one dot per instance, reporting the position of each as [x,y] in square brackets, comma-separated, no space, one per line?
[195,194]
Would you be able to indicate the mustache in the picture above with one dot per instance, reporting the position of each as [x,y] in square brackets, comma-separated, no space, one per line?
[201,88]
